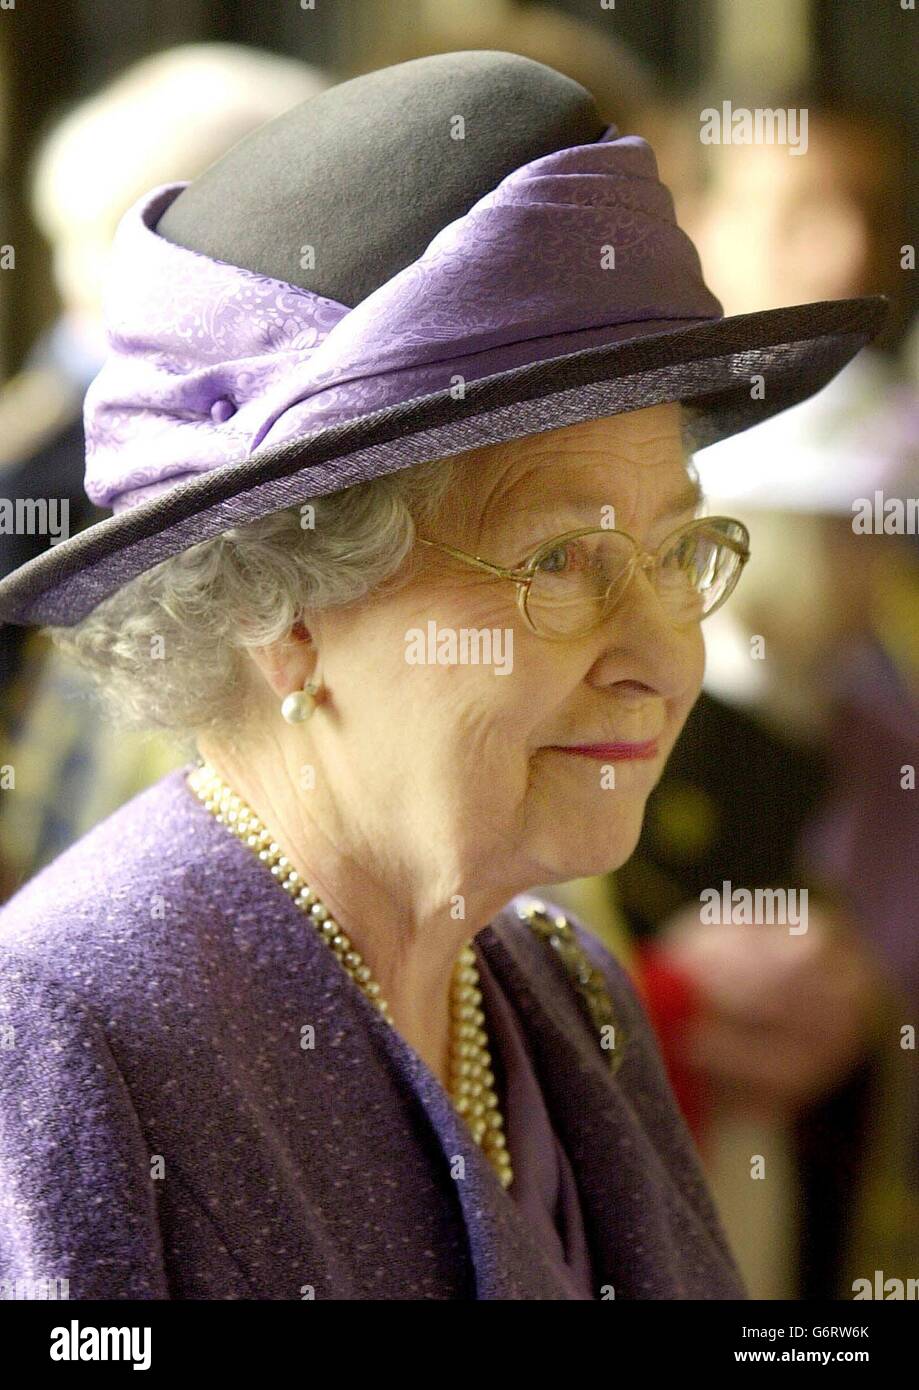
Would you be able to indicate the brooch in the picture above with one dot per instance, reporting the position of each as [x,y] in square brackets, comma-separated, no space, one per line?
[587,980]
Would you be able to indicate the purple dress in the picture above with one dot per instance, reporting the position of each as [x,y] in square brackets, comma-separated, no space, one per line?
[198,1103]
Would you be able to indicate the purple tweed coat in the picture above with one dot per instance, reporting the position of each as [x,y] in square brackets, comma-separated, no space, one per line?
[165,1133]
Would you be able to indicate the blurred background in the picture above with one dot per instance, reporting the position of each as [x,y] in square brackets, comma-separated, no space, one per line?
[791,1055]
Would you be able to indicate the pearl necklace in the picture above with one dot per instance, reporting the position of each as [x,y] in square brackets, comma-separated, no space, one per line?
[472,1081]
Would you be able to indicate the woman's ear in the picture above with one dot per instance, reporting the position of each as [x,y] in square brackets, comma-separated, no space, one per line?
[286,665]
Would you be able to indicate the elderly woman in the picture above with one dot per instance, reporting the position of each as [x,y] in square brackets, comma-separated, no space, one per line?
[421,580]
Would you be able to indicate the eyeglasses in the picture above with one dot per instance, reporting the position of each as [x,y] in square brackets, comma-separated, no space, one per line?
[572,583]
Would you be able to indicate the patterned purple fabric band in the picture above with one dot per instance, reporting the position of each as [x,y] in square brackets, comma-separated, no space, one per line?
[209,363]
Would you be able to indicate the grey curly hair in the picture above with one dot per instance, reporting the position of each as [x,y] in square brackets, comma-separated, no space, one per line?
[166,652]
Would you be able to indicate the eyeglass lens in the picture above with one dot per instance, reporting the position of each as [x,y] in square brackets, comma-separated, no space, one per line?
[581,579]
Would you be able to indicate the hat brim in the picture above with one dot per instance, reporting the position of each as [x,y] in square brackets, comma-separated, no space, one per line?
[713,366]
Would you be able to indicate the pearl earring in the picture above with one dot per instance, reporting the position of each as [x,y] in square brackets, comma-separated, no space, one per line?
[300,704]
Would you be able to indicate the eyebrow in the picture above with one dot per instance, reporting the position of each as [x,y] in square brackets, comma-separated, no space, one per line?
[691,497]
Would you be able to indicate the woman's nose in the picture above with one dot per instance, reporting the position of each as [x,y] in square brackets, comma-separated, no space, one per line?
[664,655]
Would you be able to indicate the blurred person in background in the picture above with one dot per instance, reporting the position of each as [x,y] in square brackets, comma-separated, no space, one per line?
[796,1031]
[168,116]
[822,223]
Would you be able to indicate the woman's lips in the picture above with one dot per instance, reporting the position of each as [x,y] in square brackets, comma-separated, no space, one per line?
[611,752]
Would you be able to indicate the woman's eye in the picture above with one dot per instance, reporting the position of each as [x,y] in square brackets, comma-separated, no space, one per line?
[570,558]
[554,562]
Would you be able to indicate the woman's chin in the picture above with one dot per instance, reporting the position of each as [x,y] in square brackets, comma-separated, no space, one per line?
[585,851]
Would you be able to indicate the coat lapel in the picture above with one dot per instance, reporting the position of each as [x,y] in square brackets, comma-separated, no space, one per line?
[650,1223]
[508,1262]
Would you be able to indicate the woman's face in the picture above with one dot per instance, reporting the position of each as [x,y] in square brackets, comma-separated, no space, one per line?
[463,761]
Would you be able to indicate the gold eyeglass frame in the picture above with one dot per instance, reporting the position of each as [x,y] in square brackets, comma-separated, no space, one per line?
[642,559]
